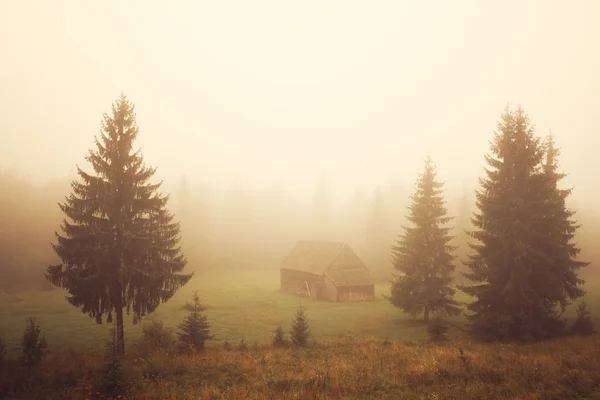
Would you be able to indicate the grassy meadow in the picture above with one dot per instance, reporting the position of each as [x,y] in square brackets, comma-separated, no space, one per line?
[240,304]
[366,350]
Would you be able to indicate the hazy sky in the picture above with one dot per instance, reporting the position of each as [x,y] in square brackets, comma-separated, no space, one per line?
[268,91]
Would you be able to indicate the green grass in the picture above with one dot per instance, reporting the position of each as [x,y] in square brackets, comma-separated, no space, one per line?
[360,365]
[239,304]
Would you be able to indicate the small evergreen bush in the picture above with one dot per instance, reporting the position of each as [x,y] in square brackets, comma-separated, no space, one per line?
[33,346]
[157,336]
[300,331]
[279,339]
[194,331]
[110,381]
[583,324]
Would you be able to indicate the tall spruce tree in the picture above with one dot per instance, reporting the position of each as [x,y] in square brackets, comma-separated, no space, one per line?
[560,229]
[423,253]
[523,265]
[119,247]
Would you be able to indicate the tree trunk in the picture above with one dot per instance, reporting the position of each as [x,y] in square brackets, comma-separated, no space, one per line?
[120,332]
[426,314]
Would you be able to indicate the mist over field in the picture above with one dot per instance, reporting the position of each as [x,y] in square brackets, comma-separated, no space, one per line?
[272,123]
[259,115]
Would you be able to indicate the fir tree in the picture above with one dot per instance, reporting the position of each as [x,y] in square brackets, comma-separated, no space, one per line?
[33,345]
[194,331]
[583,324]
[278,339]
[300,331]
[559,231]
[119,247]
[522,265]
[423,254]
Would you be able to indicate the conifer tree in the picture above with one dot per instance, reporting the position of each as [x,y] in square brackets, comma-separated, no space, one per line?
[194,331]
[119,245]
[300,331]
[33,346]
[423,254]
[278,339]
[560,251]
[523,264]
[583,324]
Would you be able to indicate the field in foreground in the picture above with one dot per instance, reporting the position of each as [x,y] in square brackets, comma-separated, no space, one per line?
[240,304]
[376,357]
[343,369]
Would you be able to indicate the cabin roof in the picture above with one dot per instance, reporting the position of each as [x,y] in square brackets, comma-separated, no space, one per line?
[318,257]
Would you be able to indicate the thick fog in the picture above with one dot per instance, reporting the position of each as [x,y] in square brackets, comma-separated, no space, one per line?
[271,122]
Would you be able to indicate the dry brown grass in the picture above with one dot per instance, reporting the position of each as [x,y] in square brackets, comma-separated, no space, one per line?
[344,369]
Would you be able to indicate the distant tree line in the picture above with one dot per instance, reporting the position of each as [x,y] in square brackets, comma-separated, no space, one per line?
[28,217]
[213,235]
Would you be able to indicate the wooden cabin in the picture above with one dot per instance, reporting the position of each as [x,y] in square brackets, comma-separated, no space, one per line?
[326,271]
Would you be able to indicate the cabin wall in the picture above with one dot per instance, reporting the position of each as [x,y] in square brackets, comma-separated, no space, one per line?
[330,291]
[296,281]
[356,293]
[322,288]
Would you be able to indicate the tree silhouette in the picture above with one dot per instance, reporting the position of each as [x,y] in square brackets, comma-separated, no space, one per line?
[119,246]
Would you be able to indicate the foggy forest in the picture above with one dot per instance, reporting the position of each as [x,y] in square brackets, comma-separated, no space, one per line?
[267,200]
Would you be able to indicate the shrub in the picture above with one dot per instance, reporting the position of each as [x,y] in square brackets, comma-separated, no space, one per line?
[583,324]
[33,346]
[300,331]
[110,380]
[195,329]
[278,339]
[157,336]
